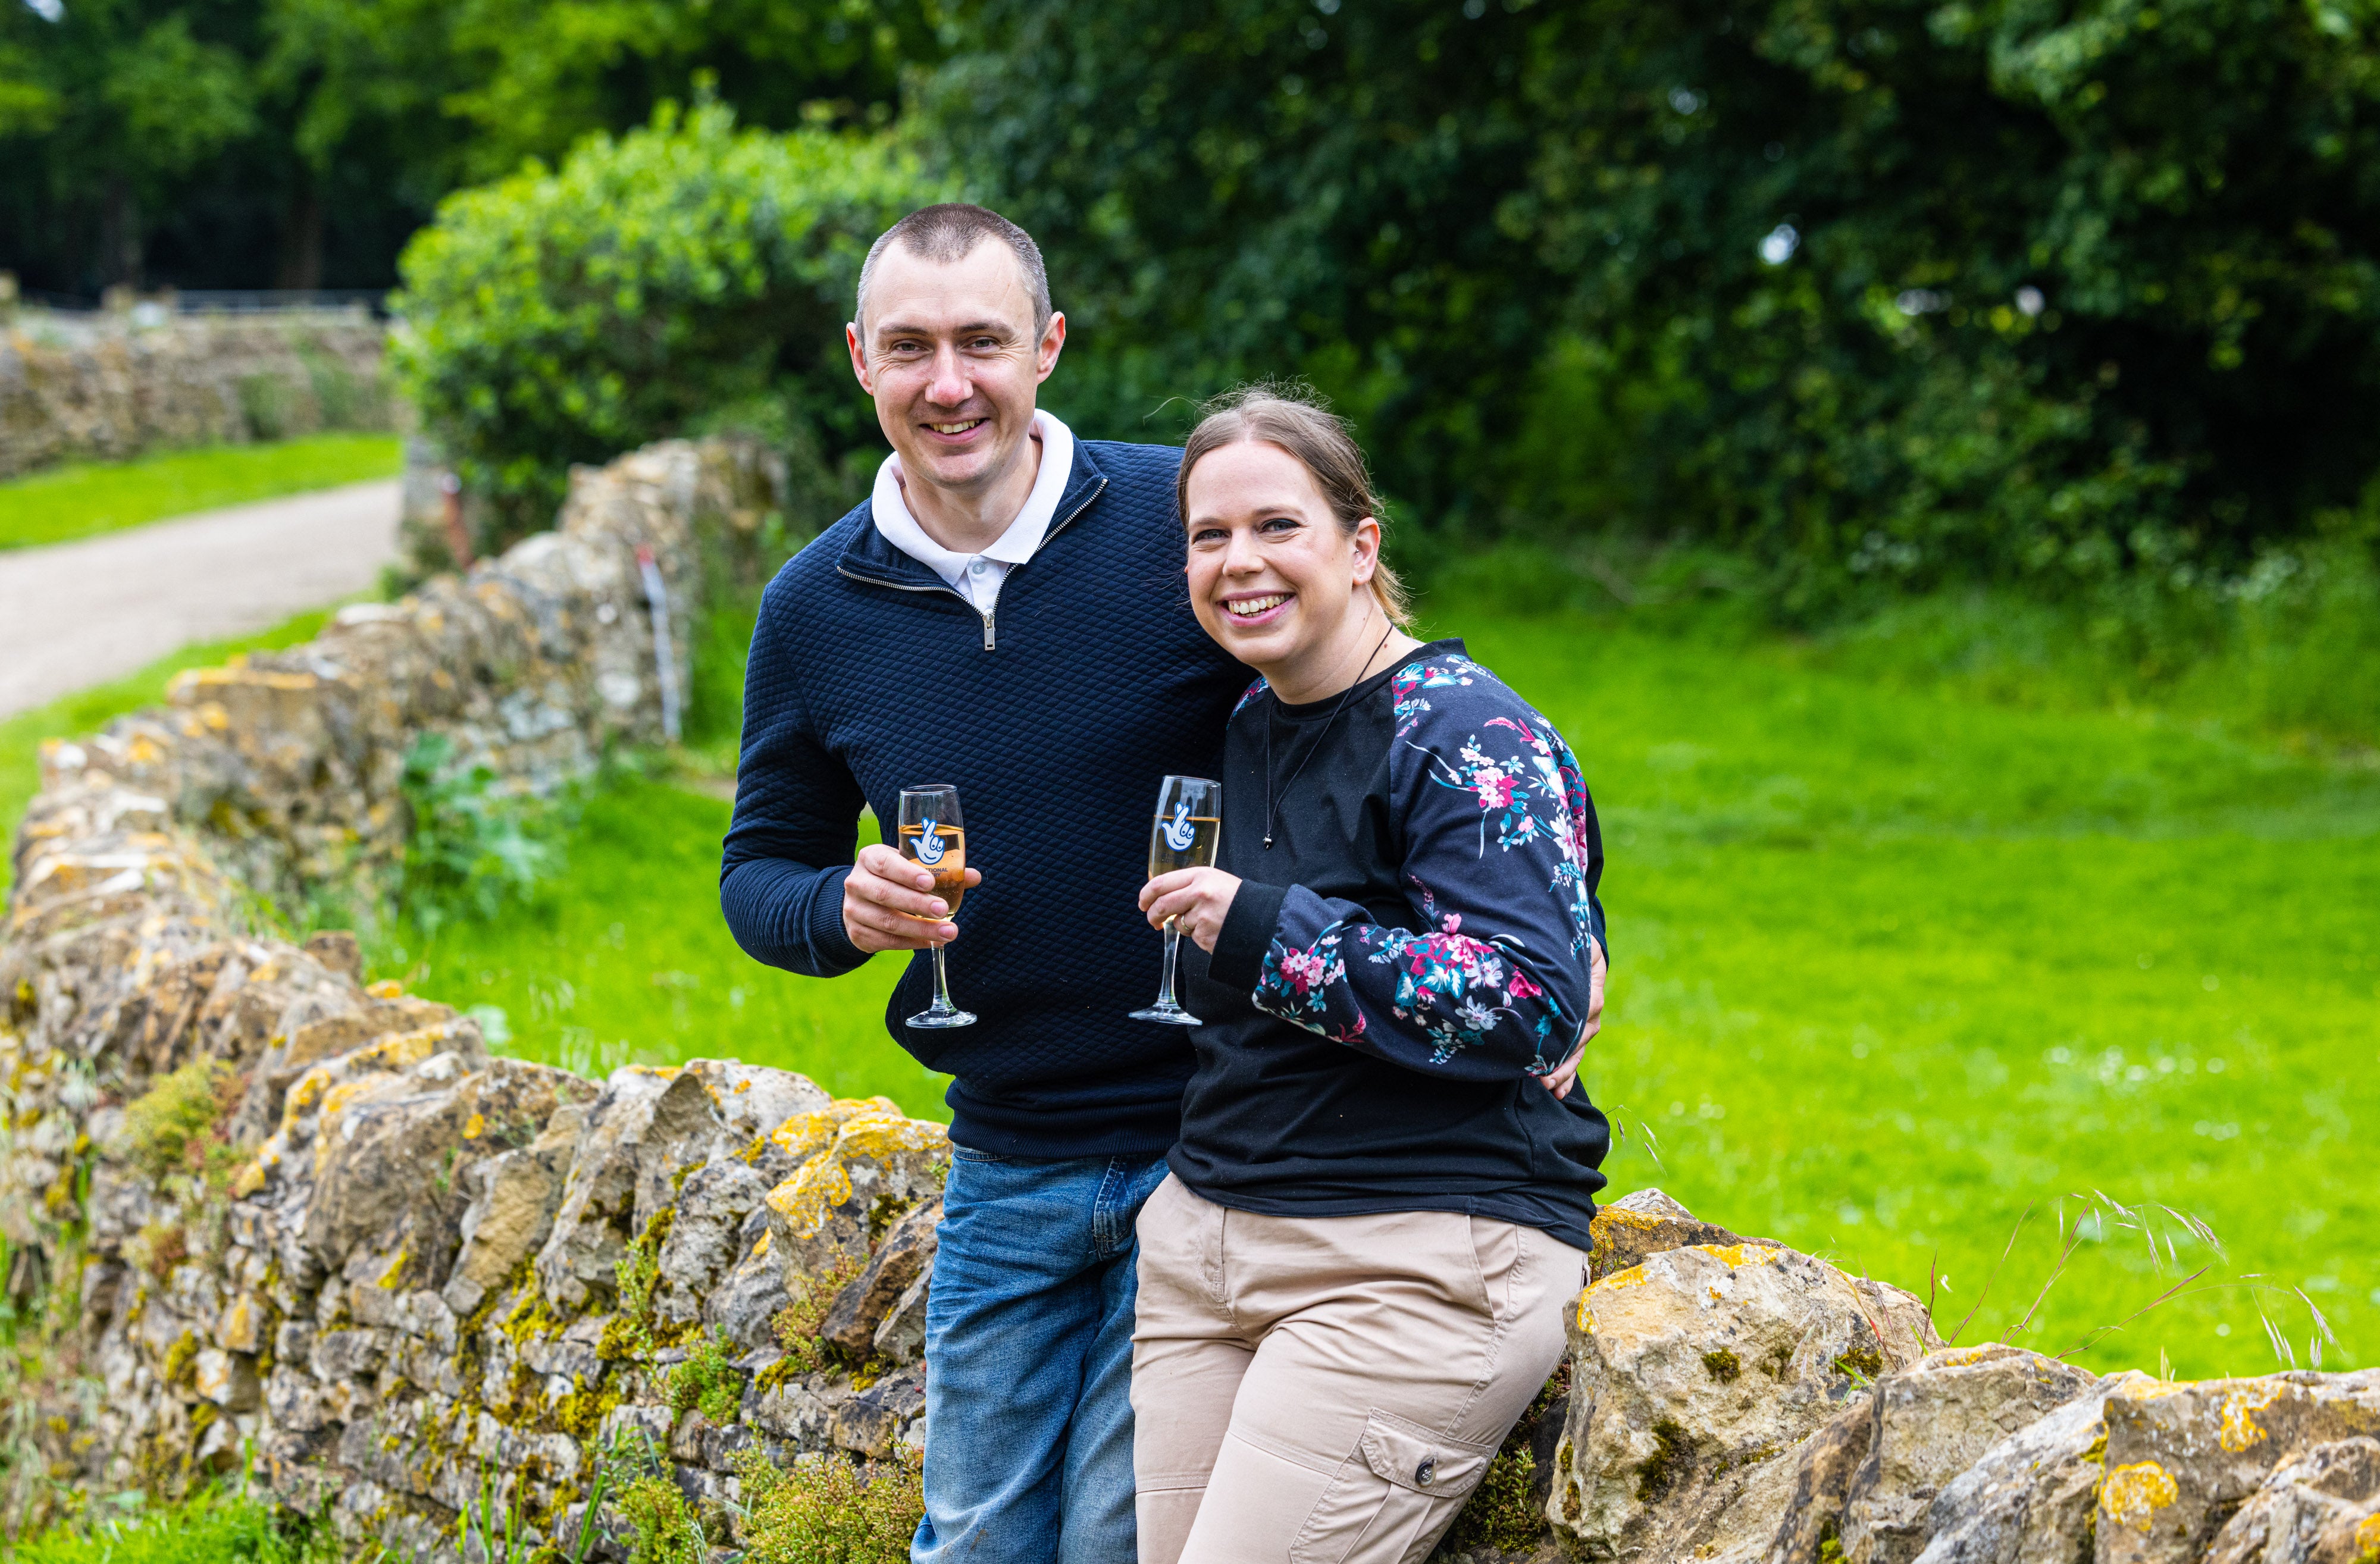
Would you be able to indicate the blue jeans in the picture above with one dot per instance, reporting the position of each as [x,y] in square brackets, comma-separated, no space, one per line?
[1028,1362]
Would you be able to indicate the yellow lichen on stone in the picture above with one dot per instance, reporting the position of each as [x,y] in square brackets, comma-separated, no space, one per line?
[806,1134]
[1740,1254]
[310,1089]
[882,1134]
[817,1187]
[2130,1495]
[823,1183]
[2146,1390]
[1585,1317]
[386,988]
[332,1105]
[1963,1356]
[762,1247]
[2239,1428]
[2367,1539]
[1634,1276]
[398,1050]
[474,1126]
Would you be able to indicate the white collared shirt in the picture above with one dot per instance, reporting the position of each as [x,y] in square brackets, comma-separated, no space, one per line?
[977,577]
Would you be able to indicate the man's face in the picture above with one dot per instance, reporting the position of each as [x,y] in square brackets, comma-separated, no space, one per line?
[950,354]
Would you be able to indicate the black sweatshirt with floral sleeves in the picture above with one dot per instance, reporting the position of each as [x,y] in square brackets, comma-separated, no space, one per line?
[1403,960]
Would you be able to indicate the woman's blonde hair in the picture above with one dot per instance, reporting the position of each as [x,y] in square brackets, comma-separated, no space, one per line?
[1294,418]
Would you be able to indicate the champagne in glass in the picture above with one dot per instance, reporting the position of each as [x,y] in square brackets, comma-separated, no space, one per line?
[1185,835]
[932,835]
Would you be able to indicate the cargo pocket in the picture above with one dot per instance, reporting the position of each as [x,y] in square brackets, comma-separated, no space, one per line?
[1396,1492]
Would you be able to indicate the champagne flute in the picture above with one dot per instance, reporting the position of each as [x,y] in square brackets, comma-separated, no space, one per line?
[1188,829]
[933,836]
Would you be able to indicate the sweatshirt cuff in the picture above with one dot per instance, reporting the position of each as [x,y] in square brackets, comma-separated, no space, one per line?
[1247,935]
[830,943]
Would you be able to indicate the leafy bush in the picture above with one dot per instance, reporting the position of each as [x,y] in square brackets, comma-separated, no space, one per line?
[830,1511]
[667,1530]
[651,285]
[474,844]
[707,1379]
[1911,293]
[798,1323]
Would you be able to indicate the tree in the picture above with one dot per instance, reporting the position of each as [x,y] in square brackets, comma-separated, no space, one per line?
[683,274]
[242,142]
[127,97]
[1873,287]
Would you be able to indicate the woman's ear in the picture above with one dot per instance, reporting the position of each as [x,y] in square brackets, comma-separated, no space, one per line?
[1365,543]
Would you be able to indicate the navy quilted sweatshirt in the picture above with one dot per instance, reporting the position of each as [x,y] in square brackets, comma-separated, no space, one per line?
[1056,718]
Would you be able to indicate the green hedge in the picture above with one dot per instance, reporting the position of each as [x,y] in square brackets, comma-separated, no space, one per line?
[683,276]
[1883,294]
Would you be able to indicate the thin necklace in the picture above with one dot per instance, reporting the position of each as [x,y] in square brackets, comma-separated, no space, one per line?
[1270,805]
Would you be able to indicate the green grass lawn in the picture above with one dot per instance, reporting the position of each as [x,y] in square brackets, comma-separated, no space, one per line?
[626,960]
[1890,967]
[84,498]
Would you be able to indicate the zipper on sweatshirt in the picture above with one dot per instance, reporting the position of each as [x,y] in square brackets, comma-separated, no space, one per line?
[990,640]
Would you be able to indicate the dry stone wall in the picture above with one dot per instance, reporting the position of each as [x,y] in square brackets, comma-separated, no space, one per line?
[301,1216]
[73,390]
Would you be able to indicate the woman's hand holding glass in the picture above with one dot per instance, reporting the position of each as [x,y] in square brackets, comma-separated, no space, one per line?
[1198,899]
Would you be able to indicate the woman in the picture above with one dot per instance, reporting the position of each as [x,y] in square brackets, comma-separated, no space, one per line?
[1354,1279]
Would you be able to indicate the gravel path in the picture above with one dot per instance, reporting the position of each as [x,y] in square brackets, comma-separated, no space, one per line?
[81,614]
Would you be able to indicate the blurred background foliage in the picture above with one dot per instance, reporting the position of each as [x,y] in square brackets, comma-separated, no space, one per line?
[683,276]
[1822,305]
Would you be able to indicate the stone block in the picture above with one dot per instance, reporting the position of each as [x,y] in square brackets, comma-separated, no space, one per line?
[705,1236]
[871,1165]
[905,1254]
[1639,1225]
[2322,1508]
[2182,1458]
[872,1422]
[228,1379]
[1694,1375]
[1933,1422]
[644,1128]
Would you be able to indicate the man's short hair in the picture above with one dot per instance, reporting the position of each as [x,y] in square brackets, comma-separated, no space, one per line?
[947,234]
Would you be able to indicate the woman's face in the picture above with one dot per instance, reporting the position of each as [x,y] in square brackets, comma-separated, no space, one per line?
[1273,577]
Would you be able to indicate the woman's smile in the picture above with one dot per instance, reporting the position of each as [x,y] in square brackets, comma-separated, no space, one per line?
[1251,608]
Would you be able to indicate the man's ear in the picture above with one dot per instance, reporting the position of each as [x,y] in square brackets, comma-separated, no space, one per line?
[859,355]
[1053,341]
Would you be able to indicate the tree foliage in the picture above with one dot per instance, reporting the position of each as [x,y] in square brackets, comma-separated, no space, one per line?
[682,274]
[238,143]
[1891,288]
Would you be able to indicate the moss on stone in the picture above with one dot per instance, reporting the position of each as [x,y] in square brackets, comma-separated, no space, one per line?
[177,1111]
[1861,1362]
[177,1358]
[1722,1365]
[1659,1472]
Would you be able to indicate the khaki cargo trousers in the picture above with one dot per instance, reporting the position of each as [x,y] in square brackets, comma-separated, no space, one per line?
[1328,1390]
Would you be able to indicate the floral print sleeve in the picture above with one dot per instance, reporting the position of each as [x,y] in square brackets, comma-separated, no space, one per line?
[1501,859]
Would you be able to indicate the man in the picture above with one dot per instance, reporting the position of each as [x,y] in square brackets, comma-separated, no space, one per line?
[1007,613]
